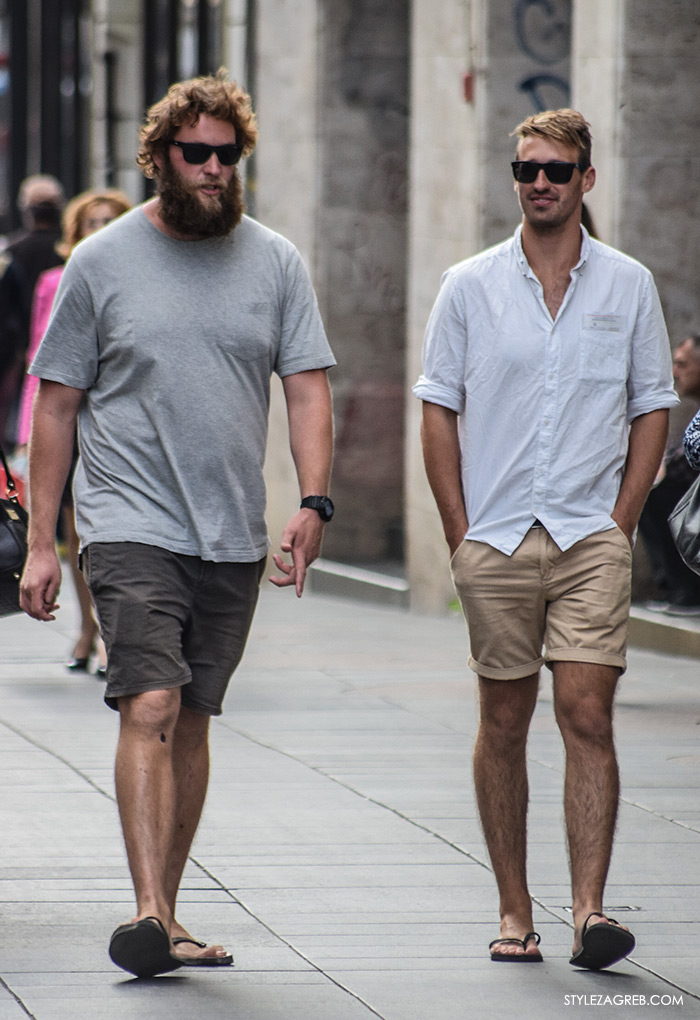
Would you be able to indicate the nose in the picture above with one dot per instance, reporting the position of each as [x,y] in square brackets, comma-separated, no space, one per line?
[541,181]
[212,165]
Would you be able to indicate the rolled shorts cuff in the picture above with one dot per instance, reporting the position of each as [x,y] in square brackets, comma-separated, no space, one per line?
[591,655]
[509,673]
[113,693]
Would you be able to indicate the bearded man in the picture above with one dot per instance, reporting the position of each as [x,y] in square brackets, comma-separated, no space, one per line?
[165,332]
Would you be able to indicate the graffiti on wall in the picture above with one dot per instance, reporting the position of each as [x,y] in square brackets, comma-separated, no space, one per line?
[543,33]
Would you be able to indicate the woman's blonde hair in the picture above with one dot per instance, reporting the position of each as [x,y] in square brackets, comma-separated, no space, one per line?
[79,207]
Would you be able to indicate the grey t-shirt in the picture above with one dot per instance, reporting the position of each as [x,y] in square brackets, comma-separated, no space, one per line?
[174,343]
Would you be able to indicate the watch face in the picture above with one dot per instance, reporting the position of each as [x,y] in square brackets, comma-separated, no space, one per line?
[322,504]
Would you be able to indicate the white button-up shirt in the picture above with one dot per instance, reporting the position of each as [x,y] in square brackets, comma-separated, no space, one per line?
[545,405]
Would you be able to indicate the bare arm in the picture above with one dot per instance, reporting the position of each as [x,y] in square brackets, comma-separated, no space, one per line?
[647,442]
[442,458]
[310,413]
[50,455]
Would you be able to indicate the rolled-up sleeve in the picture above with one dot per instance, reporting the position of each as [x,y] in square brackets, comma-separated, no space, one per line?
[650,380]
[444,350]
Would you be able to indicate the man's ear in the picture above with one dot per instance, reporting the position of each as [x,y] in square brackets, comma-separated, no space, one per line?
[588,179]
[158,158]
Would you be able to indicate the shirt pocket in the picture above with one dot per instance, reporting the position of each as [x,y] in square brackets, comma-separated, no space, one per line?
[603,352]
[253,332]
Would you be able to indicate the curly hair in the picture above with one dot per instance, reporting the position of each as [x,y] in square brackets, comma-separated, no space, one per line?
[212,95]
[78,208]
[566,126]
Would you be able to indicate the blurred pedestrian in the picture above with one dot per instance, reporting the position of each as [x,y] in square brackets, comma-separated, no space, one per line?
[546,383]
[691,442]
[679,587]
[40,200]
[30,251]
[83,215]
[167,326]
[13,329]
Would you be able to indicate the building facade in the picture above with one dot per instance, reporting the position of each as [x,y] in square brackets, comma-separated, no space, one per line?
[384,155]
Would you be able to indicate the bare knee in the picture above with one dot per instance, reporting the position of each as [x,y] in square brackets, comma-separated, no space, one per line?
[586,721]
[583,702]
[151,714]
[506,708]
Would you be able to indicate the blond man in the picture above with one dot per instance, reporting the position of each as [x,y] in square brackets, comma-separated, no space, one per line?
[546,386]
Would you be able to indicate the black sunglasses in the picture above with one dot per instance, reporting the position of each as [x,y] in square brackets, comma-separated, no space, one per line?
[526,172]
[198,152]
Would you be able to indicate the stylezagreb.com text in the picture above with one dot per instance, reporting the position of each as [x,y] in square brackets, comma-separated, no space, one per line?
[623,1000]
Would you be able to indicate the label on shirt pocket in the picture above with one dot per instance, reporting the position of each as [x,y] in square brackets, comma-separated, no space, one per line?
[603,348]
[604,323]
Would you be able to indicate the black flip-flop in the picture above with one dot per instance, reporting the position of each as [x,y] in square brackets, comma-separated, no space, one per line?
[602,944]
[516,957]
[201,961]
[142,948]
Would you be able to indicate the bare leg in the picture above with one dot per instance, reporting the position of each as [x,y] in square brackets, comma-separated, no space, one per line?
[145,786]
[191,771]
[500,778]
[583,705]
[88,625]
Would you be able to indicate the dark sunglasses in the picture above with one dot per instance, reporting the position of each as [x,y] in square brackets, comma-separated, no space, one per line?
[526,172]
[198,152]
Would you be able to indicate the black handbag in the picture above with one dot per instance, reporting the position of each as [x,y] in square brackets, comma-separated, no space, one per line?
[684,522]
[13,544]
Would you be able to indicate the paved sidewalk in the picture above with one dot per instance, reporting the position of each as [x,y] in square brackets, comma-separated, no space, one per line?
[339,855]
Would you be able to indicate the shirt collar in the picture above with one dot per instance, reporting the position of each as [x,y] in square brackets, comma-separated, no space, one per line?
[525,265]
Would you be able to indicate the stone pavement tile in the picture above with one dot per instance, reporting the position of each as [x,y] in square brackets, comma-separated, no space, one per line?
[503,991]
[324,771]
[10,1009]
[649,867]
[347,876]
[275,903]
[424,852]
[210,994]
[638,825]
[76,940]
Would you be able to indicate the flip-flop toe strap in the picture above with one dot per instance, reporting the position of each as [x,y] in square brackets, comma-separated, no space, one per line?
[519,942]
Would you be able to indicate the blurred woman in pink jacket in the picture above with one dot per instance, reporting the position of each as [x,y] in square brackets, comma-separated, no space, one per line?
[83,215]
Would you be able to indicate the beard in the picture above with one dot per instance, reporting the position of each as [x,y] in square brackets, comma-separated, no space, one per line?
[181,208]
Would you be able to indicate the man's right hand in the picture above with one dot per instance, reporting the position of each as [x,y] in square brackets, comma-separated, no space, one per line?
[454,540]
[40,584]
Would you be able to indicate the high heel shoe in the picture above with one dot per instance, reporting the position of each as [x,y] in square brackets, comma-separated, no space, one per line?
[78,665]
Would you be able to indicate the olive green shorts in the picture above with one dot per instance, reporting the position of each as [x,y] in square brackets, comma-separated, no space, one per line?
[169,620]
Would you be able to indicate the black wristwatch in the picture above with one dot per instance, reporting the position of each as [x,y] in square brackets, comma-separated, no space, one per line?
[322,504]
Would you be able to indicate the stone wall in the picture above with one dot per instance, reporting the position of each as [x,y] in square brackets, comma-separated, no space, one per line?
[285,184]
[636,79]
[360,266]
[445,181]
[659,141]
[526,56]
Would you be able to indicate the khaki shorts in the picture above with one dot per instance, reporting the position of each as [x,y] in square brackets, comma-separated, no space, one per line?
[575,603]
[170,620]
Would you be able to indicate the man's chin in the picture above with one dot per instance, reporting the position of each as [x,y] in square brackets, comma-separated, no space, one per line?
[209,219]
[194,214]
